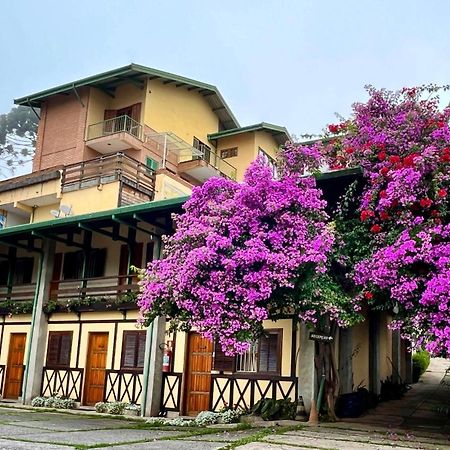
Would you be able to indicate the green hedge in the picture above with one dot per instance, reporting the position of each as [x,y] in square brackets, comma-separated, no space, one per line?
[421,361]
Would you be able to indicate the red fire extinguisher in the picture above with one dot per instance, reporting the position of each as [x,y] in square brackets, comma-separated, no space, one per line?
[167,357]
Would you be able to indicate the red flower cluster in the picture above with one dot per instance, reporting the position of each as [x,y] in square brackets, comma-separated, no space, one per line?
[366,214]
[339,128]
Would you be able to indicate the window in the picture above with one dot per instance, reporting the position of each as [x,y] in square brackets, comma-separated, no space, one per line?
[151,164]
[205,149]
[264,356]
[23,271]
[228,153]
[133,350]
[59,348]
[73,264]
[269,161]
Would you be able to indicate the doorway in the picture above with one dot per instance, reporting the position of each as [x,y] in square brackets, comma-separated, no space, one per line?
[95,368]
[15,367]
[198,370]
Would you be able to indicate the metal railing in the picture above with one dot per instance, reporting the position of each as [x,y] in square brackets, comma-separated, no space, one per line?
[211,158]
[121,124]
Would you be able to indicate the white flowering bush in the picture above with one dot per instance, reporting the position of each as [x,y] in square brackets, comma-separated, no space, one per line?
[101,407]
[207,418]
[179,422]
[156,422]
[54,401]
[230,415]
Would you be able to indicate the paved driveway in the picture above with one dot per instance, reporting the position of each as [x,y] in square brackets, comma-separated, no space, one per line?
[25,429]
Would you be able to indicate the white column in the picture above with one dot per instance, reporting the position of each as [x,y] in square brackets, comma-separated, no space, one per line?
[37,337]
[306,371]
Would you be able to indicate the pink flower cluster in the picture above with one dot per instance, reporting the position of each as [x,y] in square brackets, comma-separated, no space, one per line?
[234,246]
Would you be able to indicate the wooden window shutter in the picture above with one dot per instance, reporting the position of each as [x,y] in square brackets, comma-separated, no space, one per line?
[130,340]
[269,352]
[53,349]
[65,349]
[141,349]
[109,114]
[136,112]
[222,362]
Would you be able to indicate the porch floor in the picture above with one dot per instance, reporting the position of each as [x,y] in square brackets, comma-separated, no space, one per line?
[417,410]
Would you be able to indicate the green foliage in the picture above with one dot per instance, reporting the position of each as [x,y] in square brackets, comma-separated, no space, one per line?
[17,307]
[421,361]
[271,409]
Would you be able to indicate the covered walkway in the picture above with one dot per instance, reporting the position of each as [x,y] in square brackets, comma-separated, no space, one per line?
[417,410]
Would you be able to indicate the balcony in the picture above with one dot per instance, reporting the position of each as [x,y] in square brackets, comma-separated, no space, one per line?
[114,135]
[137,180]
[192,163]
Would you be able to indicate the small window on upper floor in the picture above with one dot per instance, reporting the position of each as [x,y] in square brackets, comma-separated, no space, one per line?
[151,164]
[271,162]
[22,272]
[205,149]
[229,152]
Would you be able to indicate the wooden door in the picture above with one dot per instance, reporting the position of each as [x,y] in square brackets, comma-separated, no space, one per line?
[95,368]
[15,368]
[199,365]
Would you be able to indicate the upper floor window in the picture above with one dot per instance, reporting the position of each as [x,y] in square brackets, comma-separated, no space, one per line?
[22,271]
[271,162]
[229,152]
[73,264]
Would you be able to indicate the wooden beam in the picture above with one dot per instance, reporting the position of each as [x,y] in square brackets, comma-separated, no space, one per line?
[52,237]
[114,237]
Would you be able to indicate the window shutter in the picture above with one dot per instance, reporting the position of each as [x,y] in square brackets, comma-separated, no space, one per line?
[53,349]
[222,362]
[109,114]
[129,349]
[65,349]
[136,112]
[268,352]
[141,349]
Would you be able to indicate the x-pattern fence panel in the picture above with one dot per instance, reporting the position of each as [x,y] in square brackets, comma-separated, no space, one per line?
[66,382]
[242,391]
[171,391]
[123,386]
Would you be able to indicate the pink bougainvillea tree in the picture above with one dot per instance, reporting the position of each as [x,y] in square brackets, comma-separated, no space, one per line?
[401,141]
[237,254]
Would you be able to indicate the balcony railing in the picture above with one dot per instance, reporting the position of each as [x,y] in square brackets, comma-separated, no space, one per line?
[121,124]
[176,150]
[108,169]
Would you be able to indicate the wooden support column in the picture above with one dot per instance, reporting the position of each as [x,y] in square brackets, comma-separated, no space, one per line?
[37,338]
[87,244]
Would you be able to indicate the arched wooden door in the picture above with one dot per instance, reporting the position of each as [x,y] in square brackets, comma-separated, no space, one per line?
[95,368]
[198,381]
[15,367]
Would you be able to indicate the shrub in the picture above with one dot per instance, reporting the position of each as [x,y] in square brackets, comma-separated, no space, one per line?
[156,422]
[271,409]
[421,361]
[207,418]
[38,402]
[101,407]
[54,401]
[179,422]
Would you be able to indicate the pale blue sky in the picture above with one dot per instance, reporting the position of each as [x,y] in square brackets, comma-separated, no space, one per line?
[292,62]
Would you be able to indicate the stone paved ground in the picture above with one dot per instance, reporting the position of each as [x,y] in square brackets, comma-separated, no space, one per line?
[410,423]
[36,430]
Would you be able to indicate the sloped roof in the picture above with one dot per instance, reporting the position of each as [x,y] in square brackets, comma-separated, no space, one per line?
[280,134]
[107,81]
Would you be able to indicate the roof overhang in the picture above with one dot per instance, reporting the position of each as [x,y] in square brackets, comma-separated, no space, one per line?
[157,213]
[137,74]
[280,134]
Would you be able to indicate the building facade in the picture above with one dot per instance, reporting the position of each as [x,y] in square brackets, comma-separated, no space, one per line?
[117,154]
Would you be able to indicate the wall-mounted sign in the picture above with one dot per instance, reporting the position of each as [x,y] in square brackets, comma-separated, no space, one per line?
[320,337]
